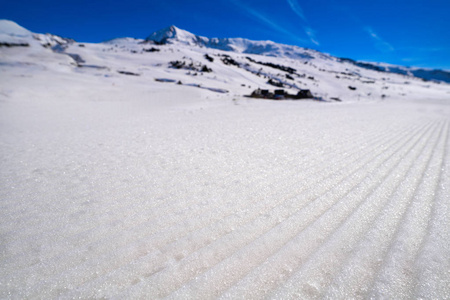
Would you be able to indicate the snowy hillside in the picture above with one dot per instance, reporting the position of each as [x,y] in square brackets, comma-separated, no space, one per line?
[174,35]
[235,66]
[426,74]
[136,169]
[14,35]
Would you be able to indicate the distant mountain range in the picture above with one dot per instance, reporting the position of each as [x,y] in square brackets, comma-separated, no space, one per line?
[12,34]
[234,66]
[174,35]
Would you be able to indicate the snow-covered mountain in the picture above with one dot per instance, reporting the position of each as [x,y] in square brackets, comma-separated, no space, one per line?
[12,34]
[426,74]
[230,65]
[174,35]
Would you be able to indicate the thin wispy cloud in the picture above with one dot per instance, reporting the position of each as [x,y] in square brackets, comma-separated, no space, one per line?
[380,43]
[297,9]
[312,35]
[267,21]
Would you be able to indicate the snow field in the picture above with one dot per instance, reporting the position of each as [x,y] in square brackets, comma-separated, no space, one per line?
[285,202]
[283,256]
[116,186]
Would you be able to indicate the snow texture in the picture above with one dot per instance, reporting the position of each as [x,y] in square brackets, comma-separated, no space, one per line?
[123,187]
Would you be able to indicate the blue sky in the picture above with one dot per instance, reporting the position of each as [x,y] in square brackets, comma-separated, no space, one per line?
[405,32]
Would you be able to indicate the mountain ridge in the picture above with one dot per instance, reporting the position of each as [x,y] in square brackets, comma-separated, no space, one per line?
[174,35]
[14,35]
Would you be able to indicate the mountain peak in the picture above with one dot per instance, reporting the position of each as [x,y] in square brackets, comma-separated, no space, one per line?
[11,28]
[173,28]
[175,35]
[170,34]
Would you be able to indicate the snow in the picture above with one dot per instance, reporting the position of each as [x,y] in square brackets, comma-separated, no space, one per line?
[11,28]
[175,35]
[118,186]
[171,34]
[13,33]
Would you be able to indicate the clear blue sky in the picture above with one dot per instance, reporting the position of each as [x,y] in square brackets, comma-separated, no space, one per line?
[405,32]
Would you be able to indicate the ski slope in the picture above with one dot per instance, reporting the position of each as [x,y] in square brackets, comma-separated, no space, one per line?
[119,186]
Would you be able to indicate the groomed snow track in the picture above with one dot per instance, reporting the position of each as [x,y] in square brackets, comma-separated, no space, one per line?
[271,200]
[123,187]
